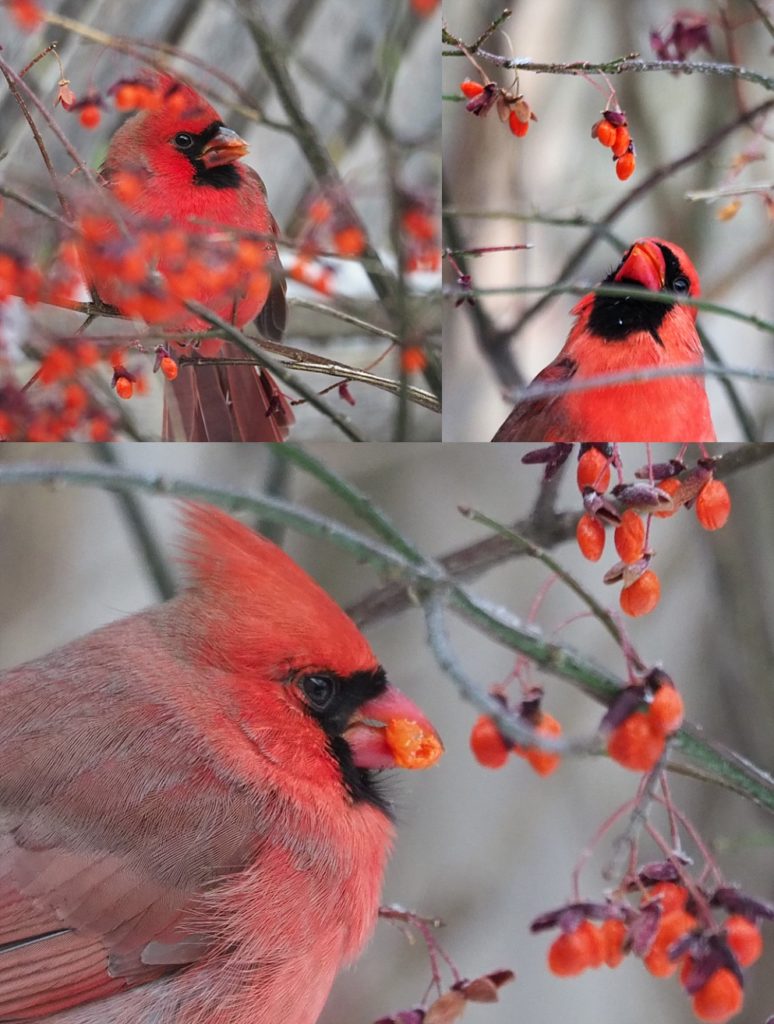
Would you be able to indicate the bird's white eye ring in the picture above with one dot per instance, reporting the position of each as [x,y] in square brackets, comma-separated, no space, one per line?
[183,140]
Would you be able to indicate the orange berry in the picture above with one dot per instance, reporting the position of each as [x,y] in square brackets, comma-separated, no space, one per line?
[570,953]
[669,486]
[630,537]
[124,387]
[605,132]
[169,367]
[469,88]
[671,896]
[622,141]
[411,744]
[713,506]
[349,241]
[90,115]
[635,744]
[517,126]
[624,166]
[744,939]
[596,943]
[673,926]
[424,7]
[413,359]
[544,761]
[613,934]
[126,96]
[719,998]
[488,746]
[593,470]
[590,535]
[641,597]
[667,710]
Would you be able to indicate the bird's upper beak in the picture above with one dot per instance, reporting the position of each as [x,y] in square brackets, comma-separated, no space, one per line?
[645,265]
[225,147]
[391,732]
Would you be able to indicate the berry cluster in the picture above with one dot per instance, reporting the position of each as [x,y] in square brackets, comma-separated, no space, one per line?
[673,924]
[612,130]
[491,749]
[640,719]
[658,491]
[511,107]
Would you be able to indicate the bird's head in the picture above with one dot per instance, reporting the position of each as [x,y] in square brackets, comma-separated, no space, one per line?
[183,137]
[650,264]
[296,659]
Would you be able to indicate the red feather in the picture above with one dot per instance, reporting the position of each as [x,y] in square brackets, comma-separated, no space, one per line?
[234,403]
[612,336]
[178,843]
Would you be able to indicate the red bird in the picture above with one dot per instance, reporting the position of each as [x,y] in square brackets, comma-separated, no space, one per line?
[189,166]
[619,334]
[190,826]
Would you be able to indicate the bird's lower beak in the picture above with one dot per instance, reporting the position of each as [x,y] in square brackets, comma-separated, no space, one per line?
[645,265]
[225,147]
[391,732]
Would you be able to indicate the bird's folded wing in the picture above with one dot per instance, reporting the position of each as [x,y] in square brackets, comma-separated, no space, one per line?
[539,419]
[112,828]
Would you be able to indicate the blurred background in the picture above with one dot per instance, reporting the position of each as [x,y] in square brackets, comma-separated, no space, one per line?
[486,851]
[368,79]
[558,172]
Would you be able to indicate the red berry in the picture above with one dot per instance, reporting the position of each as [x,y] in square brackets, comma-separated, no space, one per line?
[670,895]
[590,535]
[124,387]
[667,710]
[744,939]
[593,470]
[488,746]
[630,537]
[544,761]
[719,998]
[570,953]
[90,115]
[713,506]
[635,743]
[470,88]
[605,132]
[641,597]
[622,141]
[624,166]
[613,934]
[517,126]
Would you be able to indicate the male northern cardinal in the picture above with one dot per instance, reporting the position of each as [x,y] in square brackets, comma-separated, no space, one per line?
[189,166]
[619,334]
[190,829]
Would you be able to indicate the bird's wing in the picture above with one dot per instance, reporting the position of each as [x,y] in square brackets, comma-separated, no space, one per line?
[114,826]
[540,419]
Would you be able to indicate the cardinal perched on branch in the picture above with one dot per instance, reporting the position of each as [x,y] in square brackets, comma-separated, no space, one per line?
[624,334]
[190,826]
[185,170]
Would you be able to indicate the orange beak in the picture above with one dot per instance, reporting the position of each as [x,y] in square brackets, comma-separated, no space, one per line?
[390,731]
[225,147]
[645,265]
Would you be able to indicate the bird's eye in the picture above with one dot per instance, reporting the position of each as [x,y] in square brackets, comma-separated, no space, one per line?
[681,284]
[183,140]
[320,691]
